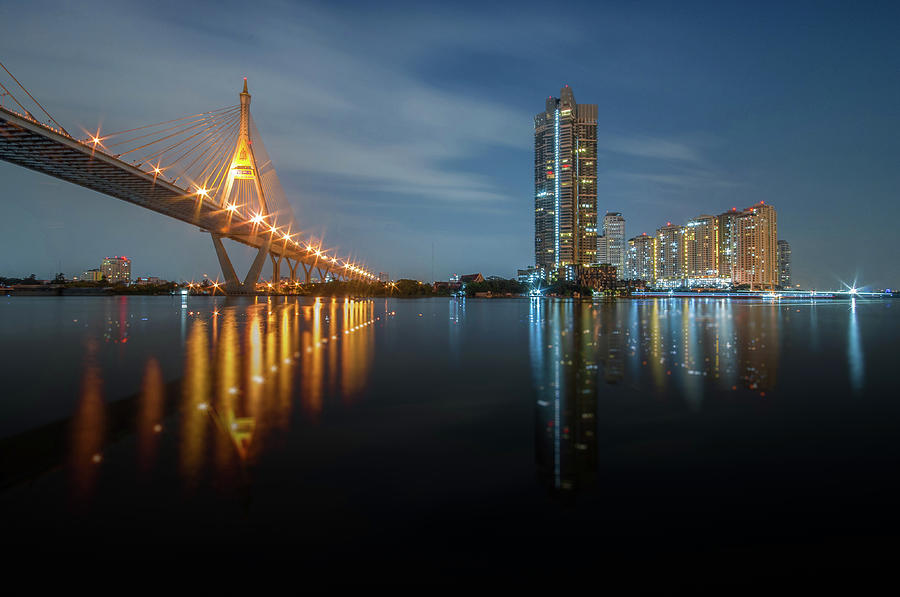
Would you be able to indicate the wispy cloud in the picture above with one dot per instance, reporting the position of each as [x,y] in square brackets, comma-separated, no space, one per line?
[684,180]
[648,147]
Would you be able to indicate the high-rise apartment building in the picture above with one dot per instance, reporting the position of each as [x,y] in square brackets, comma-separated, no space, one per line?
[614,236]
[565,183]
[670,254]
[116,270]
[602,249]
[756,261]
[700,243]
[640,262]
[784,264]
[92,275]
[726,225]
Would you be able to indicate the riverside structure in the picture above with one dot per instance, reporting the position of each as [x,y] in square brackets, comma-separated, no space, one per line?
[565,183]
[731,249]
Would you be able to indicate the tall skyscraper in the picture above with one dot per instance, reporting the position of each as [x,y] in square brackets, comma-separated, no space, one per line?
[784,264]
[640,263]
[757,247]
[565,183]
[670,254]
[116,270]
[614,235]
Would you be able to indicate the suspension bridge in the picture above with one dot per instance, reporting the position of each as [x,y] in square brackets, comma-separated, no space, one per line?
[210,170]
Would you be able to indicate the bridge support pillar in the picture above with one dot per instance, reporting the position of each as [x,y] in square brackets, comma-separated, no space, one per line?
[276,271]
[293,268]
[231,279]
[233,285]
[307,272]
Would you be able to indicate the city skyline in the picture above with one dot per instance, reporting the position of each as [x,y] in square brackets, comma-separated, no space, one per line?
[681,130]
[419,289]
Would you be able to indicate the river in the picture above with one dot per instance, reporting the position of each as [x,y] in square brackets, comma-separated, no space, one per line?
[412,438]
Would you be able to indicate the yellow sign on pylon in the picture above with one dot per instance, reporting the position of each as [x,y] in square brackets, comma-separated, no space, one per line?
[242,164]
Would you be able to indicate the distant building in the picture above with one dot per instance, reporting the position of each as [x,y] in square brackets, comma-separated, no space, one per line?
[614,237]
[701,251]
[597,277]
[640,260]
[153,280]
[565,183]
[602,249]
[458,283]
[784,264]
[92,275]
[529,276]
[669,255]
[726,228]
[757,247]
[117,270]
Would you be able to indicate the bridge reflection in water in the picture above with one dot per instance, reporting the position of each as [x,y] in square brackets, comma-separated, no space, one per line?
[685,351]
[244,365]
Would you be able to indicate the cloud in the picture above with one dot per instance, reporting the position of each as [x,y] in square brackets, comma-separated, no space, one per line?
[648,147]
[687,180]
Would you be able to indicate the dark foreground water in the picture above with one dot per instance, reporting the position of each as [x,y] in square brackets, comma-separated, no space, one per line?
[681,440]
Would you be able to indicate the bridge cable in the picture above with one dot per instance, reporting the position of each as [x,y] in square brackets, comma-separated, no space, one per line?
[32,99]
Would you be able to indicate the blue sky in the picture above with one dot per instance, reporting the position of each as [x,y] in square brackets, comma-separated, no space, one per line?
[395,126]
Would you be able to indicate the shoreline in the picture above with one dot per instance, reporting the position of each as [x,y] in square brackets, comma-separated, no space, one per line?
[767,296]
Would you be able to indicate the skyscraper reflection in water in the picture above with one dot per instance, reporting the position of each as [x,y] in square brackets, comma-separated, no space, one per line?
[683,351]
[565,350]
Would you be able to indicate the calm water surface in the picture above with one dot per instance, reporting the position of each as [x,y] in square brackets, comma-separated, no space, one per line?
[408,438]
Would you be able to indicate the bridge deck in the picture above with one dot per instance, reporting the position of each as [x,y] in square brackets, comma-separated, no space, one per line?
[37,147]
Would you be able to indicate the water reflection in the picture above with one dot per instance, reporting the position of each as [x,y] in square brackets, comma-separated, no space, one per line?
[195,401]
[566,346]
[87,430]
[246,367]
[255,371]
[855,352]
[151,410]
[683,350]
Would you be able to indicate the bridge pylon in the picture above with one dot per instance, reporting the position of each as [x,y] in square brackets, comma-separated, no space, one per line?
[244,168]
